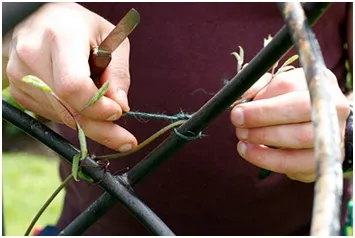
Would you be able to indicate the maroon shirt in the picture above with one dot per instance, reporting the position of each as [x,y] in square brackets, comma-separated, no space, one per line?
[206,188]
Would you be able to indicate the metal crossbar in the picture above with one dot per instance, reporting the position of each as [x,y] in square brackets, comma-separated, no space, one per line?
[120,187]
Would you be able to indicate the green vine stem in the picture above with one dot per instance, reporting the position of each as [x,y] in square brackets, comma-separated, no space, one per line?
[47,203]
[143,144]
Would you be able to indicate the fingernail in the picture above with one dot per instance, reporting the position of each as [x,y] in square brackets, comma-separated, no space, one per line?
[242,148]
[242,134]
[238,116]
[123,98]
[125,148]
[114,117]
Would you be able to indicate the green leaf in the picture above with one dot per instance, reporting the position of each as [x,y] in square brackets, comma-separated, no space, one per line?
[6,95]
[99,94]
[35,81]
[285,68]
[85,176]
[75,166]
[82,141]
[290,60]
[76,171]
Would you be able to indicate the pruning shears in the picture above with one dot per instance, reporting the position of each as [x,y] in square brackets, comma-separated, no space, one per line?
[100,56]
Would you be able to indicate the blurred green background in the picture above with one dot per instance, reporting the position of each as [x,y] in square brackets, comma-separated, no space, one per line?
[30,174]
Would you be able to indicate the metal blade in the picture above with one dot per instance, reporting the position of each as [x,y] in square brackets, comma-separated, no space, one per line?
[100,57]
[120,32]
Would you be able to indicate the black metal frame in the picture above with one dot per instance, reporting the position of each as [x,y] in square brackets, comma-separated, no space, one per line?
[120,187]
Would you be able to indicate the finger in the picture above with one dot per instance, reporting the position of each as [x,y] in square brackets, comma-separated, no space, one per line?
[34,53]
[22,63]
[109,134]
[106,133]
[71,76]
[16,69]
[118,74]
[257,86]
[292,136]
[285,161]
[290,81]
[30,104]
[303,177]
[288,108]
[32,98]
[283,83]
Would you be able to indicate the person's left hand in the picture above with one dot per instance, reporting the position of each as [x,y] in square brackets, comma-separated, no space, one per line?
[275,129]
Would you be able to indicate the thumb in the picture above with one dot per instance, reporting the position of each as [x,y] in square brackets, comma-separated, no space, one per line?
[117,72]
[257,86]
[255,89]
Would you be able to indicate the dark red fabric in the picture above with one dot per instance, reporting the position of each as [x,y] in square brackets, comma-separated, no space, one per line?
[179,52]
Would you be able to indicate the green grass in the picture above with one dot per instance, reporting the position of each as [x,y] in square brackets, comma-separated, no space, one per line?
[28,180]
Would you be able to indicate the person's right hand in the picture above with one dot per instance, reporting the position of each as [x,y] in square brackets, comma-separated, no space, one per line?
[54,44]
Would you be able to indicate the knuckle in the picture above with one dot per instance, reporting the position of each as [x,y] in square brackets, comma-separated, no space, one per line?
[291,80]
[287,85]
[67,86]
[23,50]
[51,34]
[12,72]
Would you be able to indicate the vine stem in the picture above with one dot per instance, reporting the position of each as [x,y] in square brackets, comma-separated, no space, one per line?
[143,144]
[47,203]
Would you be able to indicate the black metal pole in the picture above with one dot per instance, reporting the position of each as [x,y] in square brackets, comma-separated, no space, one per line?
[329,182]
[116,189]
[104,203]
[222,100]
[97,209]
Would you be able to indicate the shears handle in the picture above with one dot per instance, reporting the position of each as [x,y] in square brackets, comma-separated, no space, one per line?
[98,62]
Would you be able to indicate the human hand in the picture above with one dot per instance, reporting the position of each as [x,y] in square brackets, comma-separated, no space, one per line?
[275,129]
[54,44]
